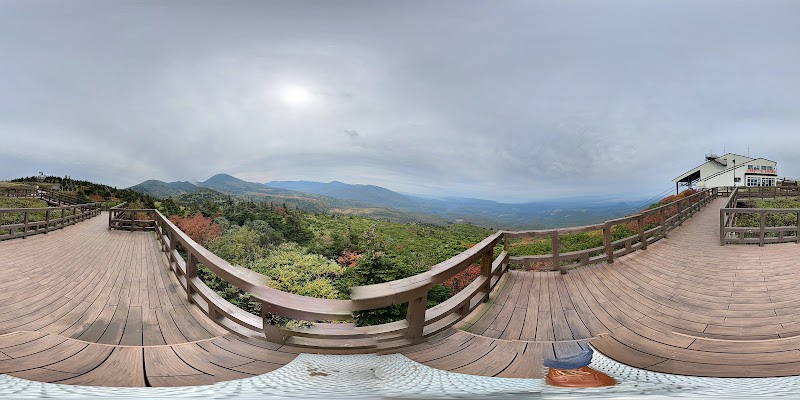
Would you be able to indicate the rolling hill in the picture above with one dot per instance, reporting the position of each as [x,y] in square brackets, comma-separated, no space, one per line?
[378,202]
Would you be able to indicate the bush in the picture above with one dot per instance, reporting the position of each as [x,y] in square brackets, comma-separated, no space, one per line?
[201,229]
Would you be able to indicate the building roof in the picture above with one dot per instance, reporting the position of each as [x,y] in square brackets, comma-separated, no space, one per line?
[696,170]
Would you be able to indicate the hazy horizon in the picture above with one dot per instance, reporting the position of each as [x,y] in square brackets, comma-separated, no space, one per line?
[512,102]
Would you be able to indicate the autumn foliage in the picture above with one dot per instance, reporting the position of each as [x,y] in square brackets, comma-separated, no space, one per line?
[198,227]
[463,278]
[349,258]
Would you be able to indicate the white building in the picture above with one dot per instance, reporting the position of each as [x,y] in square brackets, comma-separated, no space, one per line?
[730,170]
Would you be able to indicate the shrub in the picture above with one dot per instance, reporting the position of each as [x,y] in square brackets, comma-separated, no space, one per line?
[201,229]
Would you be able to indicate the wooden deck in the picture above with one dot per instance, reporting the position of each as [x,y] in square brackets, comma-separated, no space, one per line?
[685,306]
[85,305]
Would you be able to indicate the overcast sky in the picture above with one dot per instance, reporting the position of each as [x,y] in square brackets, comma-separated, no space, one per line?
[499,100]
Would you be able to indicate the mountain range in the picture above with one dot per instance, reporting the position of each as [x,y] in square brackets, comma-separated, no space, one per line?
[378,202]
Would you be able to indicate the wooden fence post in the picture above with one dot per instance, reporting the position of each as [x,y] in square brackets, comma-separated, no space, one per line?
[761,227]
[416,317]
[642,237]
[722,215]
[680,213]
[607,243]
[272,332]
[663,223]
[172,246]
[25,226]
[47,220]
[556,253]
[486,270]
[191,273]
[798,228]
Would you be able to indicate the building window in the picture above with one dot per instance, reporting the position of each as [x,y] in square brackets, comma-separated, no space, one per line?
[752,181]
[737,179]
[767,181]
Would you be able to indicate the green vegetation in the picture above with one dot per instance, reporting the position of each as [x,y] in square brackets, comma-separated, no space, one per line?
[7,218]
[316,254]
[772,219]
[88,191]
[319,254]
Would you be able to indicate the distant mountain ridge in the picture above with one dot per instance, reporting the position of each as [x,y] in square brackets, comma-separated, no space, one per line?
[378,202]
[367,193]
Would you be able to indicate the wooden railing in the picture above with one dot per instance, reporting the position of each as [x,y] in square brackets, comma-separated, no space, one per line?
[58,198]
[185,256]
[648,226]
[762,234]
[24,222]
[17,192]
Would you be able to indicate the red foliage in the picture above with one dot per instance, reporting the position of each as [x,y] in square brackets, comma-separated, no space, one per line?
[675,197]
[95,197]
[349,258]
[198,227]
[463,278]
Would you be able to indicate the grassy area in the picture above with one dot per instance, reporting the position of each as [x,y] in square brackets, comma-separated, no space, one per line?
[772,220]
[8,218]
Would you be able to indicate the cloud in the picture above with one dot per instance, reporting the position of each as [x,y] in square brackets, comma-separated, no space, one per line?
[352,134]
[516,101]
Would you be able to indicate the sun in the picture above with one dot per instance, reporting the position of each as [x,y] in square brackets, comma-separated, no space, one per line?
[296,96]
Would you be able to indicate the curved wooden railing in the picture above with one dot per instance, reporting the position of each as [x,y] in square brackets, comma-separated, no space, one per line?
[762,234]
[185,255]
[24,222]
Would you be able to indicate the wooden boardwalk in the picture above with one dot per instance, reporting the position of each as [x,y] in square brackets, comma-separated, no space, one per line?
[86,305]
[685,306]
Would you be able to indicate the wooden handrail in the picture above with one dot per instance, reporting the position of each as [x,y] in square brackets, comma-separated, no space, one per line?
[184,255]
[56,217]
[731,234]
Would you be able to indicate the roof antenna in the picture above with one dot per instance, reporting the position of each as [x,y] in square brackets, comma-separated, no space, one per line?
[748,150]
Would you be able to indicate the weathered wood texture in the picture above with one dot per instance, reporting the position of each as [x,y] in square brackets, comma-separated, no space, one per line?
[85,305]
[685,306]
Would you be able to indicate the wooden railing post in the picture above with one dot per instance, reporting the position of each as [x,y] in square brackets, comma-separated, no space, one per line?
[191,273]
[272,332]
[172,246]
[416,317]
[798,228]
[133,217]
[47,221]
[761,227]
[62,218]
[663,223]
[722,216]
[642,237]
[25,226]
[486,269]
[680,213]
[556,253]
[607,243]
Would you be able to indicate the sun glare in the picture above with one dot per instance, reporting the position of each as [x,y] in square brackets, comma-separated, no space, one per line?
[296,96]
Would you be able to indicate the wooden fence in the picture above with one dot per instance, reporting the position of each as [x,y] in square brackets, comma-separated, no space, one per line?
[185,256]
[23,222]
[762,234]
[17,192]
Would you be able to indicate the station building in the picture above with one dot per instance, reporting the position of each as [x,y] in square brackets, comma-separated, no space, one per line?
[730,170]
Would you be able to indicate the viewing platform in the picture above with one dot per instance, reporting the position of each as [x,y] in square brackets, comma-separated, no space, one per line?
[90,305]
